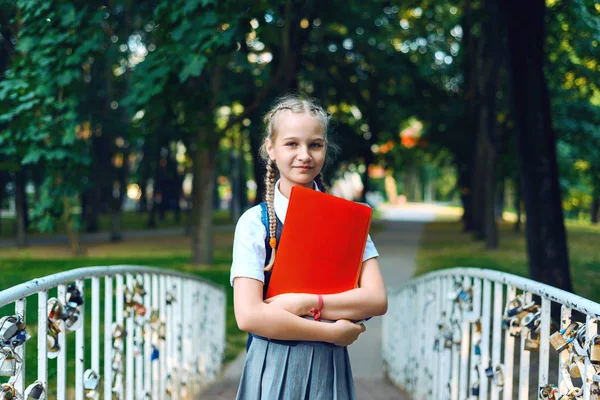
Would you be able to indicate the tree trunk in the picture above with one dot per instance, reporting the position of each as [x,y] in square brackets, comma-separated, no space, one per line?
[117,204]
[465,183]
[536,142]
[91,210]
[518,205]
[20,208]
[202,205]
[595,209]
[466,150]
[488,86]
[72,226]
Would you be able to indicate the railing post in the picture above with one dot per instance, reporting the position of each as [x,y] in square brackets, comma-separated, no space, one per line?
[509,352]
[544,361]
[497,335]
[21,310]
[42,341]
[108,345]
[486,309]
[80,346]
[61,359]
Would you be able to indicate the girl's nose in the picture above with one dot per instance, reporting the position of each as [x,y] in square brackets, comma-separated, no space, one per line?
[303,154]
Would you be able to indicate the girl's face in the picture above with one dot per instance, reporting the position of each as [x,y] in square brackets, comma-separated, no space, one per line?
[298,149]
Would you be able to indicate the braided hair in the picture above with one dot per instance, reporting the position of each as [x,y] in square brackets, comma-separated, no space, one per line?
[297,105]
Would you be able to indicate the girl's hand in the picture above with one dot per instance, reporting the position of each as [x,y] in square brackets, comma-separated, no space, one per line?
[346,332]
[297,303]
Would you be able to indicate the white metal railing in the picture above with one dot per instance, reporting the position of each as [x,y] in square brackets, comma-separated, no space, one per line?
[159,333]
[468,333]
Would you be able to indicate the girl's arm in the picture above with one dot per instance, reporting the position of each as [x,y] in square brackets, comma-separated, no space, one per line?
[368,300]
[268,320]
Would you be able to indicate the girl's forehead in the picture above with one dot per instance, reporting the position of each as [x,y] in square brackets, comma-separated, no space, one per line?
[304,122]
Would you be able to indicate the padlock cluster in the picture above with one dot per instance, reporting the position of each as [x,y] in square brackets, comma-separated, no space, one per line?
[13,334]
[133,300]
[35,391]
[449,332]
[579,349]
[68,312]
[523,317]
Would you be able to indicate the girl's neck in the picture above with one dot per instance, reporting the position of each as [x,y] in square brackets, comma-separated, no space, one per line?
[286,187]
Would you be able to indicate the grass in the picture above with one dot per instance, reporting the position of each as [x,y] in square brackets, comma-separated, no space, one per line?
[444,245]
[20,265]
[130,220]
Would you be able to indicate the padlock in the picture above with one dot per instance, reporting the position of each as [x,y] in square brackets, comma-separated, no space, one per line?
[532,341]
[162,330]
[140,309]
[73,320]
[118,332]
[35,391]
[90,379]
[170,298]
[52,340]
[574,370]
[595,390]
[8,328]
[154,316]
[548,392]
[117,363]
[55,310]
[595,349]
[139,288]
[477,349]
[489,372]
[475,389]
[155,353]
[7,392]
[514,328]
[573,366]
[531,320]
[92,394]
[558,341]
[498,376]
[73,296]
[8,362]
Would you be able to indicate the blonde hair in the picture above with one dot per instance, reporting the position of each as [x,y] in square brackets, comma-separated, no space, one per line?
[297,105]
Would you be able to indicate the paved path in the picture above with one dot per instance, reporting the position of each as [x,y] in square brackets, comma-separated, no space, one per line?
[397,245]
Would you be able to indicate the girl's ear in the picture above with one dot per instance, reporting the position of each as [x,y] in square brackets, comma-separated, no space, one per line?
[270,148]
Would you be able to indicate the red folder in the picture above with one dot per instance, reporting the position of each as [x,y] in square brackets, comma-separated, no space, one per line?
[321,246]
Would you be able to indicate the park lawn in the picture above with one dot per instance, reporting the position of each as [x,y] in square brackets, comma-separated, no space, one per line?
[130,221]
[444,245]
[18,266]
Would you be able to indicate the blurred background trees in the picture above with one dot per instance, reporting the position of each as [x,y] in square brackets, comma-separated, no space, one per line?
[157,106]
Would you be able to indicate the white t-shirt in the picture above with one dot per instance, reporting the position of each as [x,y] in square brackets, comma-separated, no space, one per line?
[249,241]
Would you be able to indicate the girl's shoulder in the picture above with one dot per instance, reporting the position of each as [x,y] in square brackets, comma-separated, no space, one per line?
[251,218]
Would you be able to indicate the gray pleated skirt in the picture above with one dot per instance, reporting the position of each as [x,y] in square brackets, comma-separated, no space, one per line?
[305,371]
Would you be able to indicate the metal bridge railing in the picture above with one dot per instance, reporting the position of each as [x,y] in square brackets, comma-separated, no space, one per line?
[160,334]
[467,333]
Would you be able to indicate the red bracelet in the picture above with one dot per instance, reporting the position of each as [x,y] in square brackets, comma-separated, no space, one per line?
[316,313]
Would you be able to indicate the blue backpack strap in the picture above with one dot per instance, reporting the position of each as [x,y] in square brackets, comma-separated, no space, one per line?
[264,218]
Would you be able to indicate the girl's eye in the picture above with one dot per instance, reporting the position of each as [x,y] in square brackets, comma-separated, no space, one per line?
[291,144]
[317,145]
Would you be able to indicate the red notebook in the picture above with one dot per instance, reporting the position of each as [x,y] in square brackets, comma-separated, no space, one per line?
[321,246]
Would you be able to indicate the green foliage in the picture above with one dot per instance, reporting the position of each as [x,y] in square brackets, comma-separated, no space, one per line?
[40,95]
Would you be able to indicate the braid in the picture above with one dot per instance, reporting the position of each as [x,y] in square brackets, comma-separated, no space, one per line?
[269,199]
[321,183]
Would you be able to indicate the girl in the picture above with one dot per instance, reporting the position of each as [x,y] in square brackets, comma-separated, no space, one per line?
[302,358]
